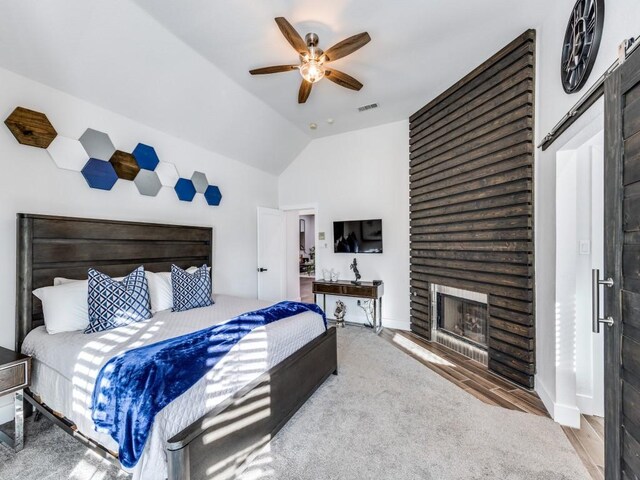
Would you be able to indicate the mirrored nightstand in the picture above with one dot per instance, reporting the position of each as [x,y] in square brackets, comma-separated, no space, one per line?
[15,375]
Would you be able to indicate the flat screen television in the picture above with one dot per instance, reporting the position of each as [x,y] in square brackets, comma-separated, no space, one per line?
[357,236]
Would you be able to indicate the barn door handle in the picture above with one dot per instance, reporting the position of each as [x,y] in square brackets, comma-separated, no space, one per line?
[595,300]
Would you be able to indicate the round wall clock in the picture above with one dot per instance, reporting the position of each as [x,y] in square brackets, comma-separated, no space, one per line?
[581,43]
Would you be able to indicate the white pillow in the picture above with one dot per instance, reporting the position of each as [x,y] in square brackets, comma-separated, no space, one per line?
[65,306]
[160,288]
[160,291]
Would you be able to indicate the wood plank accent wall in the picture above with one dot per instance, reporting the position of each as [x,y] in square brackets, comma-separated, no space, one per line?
[471,166]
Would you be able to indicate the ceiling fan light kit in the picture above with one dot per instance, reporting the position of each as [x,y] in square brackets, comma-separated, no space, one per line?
[312,59]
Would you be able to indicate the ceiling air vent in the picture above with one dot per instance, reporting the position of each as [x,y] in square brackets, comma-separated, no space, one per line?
[364,108]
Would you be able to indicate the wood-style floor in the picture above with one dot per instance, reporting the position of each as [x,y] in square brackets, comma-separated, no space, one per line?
[588,441]
[468,374]
[471,376]
[306,290]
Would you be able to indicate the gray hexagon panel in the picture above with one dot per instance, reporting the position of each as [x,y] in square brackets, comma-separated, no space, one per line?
[148,183]
[97,144]
[200,181]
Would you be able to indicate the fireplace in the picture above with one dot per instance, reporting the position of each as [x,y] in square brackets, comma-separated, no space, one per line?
[461,321]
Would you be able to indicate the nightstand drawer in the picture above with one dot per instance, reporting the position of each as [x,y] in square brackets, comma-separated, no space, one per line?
[14,377]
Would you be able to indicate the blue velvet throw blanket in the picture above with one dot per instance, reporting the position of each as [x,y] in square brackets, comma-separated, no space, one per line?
[134,386]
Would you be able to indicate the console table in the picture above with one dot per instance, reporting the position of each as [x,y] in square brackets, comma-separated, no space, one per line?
[347,289]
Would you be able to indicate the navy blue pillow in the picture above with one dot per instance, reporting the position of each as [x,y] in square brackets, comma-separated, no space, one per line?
[190,290]
[114,303]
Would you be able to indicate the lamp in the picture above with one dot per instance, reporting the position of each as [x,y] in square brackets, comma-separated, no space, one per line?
[312,71]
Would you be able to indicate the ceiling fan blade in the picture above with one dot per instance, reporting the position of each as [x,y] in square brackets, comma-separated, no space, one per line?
[292,36]
[274,69]
[305,90]
[342,79]
[347,46]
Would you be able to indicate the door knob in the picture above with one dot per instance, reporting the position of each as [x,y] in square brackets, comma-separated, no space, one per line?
[262,269]
[595,301]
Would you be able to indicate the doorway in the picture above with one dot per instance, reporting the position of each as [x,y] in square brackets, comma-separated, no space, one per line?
[307,253]
[579,352]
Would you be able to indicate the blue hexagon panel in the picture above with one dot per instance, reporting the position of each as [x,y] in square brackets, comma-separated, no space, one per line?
[146,156]
[185,189]
[212,195]
[99,174]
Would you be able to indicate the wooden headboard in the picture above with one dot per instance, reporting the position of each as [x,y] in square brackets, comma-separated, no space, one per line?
[50,247]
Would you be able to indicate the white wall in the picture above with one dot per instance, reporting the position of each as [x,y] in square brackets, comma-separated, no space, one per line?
[31,183]
[621,21]
[359,175]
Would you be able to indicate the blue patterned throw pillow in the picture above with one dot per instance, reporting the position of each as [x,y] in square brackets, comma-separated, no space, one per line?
[114,303]
[190,290]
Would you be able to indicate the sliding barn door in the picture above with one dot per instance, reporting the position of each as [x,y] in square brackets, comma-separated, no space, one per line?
[622,265]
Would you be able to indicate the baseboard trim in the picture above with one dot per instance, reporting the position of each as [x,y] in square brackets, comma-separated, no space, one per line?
[568,415]
[545,397]
[396,324]
[588,405]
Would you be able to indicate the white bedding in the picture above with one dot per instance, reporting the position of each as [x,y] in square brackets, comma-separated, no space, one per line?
[65,366]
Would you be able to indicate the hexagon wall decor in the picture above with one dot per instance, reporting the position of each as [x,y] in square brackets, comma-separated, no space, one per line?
[213,196]
[148,183]
[185,189]
[167,173]
[101,165]
[146,156]
[31,128]
[200,181]
[99,174]
[125,165]
[67,153]
[97,144]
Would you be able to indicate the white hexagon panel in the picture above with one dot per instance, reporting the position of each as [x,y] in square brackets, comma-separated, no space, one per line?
[167,173]
[148,183]
[68,153]
[200,181]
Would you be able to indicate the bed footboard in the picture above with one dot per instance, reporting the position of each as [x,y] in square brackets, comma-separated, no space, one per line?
[215,446]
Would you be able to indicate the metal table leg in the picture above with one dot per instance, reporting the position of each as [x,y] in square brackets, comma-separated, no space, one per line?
[379,319]
[17,442]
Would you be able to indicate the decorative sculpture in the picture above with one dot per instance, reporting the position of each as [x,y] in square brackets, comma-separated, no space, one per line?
[354,267]
[340,312]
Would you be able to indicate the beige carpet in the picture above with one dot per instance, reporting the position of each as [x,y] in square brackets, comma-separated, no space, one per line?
[385,416]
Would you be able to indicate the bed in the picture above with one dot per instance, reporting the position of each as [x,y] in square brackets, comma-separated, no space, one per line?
[214,427]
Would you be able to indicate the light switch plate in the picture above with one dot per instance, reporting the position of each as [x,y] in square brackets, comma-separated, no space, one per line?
[585,247]
[320,235]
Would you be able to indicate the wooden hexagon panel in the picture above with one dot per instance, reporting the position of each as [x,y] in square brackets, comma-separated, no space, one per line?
[125,165]
[31,128]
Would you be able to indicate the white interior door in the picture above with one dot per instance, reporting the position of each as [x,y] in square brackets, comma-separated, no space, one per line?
[271,254]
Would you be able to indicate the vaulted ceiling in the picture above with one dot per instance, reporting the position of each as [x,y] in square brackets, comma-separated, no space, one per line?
[182,66]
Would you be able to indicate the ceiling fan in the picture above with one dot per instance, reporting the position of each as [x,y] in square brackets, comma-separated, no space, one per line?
[313,59]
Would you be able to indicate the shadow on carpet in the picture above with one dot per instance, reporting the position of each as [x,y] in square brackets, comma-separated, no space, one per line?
[385,416]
